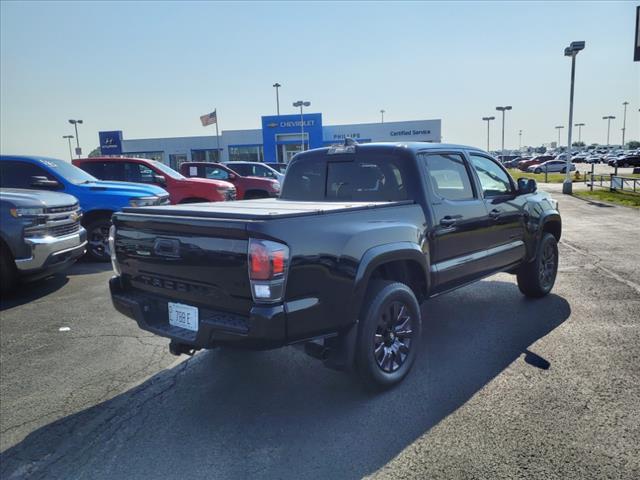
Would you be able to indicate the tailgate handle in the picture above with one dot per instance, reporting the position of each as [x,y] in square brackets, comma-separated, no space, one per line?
[167,247]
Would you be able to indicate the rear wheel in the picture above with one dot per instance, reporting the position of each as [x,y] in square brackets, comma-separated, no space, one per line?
[98,239]
[389,335]
[536,279]
[537,170]
[8,274]
[564,170]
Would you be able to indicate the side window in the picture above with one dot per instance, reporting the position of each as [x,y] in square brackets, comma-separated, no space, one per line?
[448,176]
[494,180]
[15,174]
[113,171]
[217,173]
[94,168]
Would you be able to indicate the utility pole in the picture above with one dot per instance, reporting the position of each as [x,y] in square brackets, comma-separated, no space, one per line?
[382,113]
[503,109]
[69,137]
[579,125]
[624,122]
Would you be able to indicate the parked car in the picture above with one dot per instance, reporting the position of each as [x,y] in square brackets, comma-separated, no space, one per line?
[40,234]
[360,235]
[142,170]
[551,166]
[279,167]
[525,164]
[514,162]
[98,200]
[593,158]
[246,187]
[579,158]
[626,161]
[256,169]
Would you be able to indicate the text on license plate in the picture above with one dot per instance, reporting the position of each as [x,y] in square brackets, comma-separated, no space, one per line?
[184,316]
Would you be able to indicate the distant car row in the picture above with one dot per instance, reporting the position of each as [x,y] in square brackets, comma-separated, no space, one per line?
[44,230]
[557,163]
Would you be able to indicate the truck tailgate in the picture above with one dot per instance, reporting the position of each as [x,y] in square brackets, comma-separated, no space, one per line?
[192,260]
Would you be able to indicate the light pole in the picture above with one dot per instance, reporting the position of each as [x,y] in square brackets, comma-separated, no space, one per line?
[277,86]
[519,140]
[382,113]
[571,51]
[69,137]
[579,125]
[503,109]
[75,124]
[559,127]
[301,103]
[608,118]
[624,122]
[488,119]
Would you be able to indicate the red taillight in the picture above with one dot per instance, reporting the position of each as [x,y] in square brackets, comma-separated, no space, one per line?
[267,260]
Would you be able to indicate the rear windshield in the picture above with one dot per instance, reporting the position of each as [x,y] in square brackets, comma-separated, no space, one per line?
[360,178]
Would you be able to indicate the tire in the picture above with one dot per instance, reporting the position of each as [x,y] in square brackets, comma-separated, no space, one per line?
[536,278]
[8,274]
[564,170]
[537,170]
[389,335]
[625,165]
[98,239]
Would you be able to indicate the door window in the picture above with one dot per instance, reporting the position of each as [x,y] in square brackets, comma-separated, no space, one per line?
[138,172]
[448,176]
[217,173]
[493,179]
[15,174]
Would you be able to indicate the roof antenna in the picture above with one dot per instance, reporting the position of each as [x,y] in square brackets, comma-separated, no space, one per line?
[349,142]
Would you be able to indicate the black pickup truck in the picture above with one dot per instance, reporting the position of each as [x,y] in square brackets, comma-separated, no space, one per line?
[340,263]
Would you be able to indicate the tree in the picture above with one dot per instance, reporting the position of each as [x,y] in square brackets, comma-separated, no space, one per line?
[633,144]
[95,152]
[578,144]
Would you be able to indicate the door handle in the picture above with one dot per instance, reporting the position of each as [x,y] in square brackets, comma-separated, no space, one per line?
[449,221]
[495,213]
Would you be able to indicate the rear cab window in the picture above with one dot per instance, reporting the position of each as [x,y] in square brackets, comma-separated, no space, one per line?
[359,177]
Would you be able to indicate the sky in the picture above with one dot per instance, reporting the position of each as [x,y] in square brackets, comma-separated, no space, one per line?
[151,69]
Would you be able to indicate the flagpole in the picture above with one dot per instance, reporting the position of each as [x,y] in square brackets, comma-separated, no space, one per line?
[217,137]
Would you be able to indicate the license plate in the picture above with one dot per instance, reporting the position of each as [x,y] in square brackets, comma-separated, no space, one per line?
[183,316]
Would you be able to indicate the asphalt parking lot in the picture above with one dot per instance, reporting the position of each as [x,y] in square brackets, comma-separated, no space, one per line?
[506,387]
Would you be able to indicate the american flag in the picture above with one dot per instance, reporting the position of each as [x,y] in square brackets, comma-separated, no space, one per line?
[209,118]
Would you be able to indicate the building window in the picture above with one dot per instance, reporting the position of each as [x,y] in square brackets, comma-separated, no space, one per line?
[246,154]
[157,156]
[177,159]
[205,155]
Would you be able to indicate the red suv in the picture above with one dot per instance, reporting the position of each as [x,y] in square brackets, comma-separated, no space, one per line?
[246,187]
[141,170]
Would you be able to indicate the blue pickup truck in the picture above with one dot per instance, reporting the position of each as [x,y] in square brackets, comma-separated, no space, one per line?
[98,199]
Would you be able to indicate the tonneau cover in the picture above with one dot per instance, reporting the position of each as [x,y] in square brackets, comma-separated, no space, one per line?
[259,209]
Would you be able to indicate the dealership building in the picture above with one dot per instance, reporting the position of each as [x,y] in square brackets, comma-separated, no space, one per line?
[280,138]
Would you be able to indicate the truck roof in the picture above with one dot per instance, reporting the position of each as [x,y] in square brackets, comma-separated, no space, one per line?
[413,146]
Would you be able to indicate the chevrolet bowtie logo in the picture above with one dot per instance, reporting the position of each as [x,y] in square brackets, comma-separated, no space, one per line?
[272,125]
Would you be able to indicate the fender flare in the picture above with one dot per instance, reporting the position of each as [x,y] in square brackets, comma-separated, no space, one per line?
[379,255]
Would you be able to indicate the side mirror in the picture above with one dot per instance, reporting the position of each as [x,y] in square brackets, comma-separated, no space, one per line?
[44,182]
[527,185]
[159,179]
[232,176]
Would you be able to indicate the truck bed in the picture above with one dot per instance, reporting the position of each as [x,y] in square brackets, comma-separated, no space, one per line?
[259,209]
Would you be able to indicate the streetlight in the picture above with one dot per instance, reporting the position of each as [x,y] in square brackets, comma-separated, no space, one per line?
[503,109]
[488,119]
[559,127]
[608,118]
[519,140]
[571,51]
[69,137]
[579,125]
[301,103]
[75,124]
[277,86]
[624,122]
[382,113]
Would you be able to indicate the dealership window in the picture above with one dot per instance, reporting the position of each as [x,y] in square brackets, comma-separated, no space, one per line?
[157,156]
[203,155]
[251,153]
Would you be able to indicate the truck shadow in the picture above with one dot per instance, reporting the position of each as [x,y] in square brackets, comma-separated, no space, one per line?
[279,414]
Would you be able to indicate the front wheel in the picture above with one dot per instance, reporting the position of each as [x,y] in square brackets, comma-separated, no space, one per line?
[389,335]
[537,170]
[564,170]
[536,278]
[98,239]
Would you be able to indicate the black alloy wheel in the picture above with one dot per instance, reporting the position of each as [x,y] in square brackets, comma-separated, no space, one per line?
[392,340]
[98,240]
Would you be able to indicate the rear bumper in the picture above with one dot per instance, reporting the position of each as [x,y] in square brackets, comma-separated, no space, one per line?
[264,327]
[50,254]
